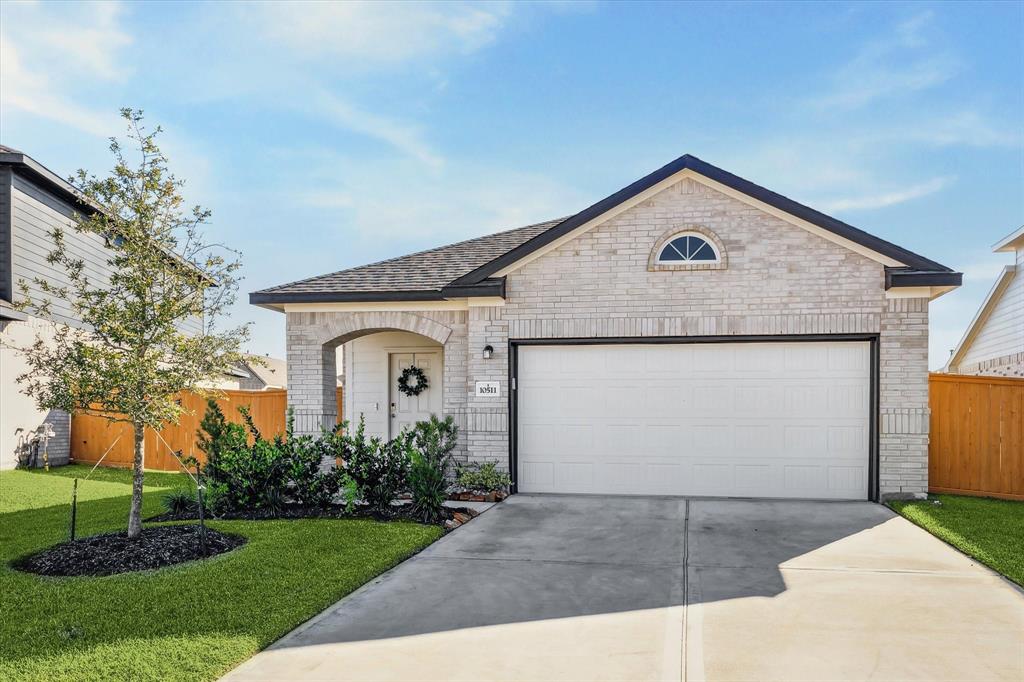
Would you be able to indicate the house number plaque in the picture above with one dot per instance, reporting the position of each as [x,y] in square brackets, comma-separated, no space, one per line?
[488,389]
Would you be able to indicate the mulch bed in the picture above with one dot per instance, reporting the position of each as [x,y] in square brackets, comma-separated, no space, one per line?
[113,553]
[398,512]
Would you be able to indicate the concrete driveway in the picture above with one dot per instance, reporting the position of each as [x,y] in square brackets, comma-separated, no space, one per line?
[614,588]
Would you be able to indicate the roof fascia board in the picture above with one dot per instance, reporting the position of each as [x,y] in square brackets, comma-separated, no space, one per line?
[931,293]
[488,288]
[984,312]
[1008,243]
[708,182]
[38,172]
[916,278]
[374,307]
[260,297]
[788,217]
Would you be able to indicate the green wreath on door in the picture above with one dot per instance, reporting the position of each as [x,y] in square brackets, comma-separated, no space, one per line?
[412,381]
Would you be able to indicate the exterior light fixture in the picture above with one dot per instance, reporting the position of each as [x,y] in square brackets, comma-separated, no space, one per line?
[488,352]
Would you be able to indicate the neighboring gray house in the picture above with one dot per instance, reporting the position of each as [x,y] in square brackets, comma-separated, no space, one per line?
[993,344]
[34,200]
[691,334]
[263,373]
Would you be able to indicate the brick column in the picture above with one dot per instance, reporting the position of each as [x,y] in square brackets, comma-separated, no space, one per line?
[486,417]
[903,399]
[312,378]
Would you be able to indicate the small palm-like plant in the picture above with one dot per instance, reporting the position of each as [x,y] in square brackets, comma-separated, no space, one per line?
[179,502]
[433,442]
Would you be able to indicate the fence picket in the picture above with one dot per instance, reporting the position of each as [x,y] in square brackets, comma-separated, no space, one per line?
[91,435]
[976,446]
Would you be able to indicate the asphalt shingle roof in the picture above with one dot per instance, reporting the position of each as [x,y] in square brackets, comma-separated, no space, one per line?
[424,271]
[470,267]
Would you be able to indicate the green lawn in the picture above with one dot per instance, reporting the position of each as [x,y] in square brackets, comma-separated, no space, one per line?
[991,531]
[194,621]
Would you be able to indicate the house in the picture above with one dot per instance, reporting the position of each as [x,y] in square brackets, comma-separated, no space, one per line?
[262,373]
[691,334]
[993,344]
[33,201]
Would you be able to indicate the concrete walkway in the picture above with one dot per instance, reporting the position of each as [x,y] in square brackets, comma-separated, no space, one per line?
[606,588]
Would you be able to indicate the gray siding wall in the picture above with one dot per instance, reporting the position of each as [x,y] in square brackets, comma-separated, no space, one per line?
[1002,334]
[35,213]
[6,280]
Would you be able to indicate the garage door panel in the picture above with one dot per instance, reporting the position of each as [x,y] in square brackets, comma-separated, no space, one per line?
[756,419]
[714,398]
[847,398]
[851,440]
[757,399]
[667,360]
[714,359]
[573,440]
[847,358]
[661,440]
[665,401]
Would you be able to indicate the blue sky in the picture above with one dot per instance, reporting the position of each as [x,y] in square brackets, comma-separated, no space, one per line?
[324,136]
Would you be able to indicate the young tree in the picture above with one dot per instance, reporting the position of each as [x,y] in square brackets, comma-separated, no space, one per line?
[132,354]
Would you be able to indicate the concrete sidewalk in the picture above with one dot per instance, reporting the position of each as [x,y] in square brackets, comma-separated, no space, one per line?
[620,588]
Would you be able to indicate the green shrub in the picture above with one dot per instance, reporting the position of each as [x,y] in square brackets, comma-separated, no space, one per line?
[379,468]
[483,478]
[309,484]
[241,476]
[244,472]
[179,502]
[433,442]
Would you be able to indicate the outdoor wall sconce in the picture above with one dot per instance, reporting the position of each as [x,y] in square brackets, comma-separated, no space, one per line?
[488,352]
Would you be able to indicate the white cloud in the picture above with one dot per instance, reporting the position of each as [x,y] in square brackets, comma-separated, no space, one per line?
[402,136]
[965,128]
[34,93]
[379,32]
[389,199]
[889,198]
[48,51]
[898,63]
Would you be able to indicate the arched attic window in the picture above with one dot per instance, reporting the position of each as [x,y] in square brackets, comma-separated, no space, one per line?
[689,249]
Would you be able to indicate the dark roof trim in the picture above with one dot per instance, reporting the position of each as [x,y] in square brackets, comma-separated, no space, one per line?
[490,287]
[494,286]
[260,298]
[25,164]
[838,227]
[903,277]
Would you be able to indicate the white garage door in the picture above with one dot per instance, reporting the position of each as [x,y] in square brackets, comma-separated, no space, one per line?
[721,419]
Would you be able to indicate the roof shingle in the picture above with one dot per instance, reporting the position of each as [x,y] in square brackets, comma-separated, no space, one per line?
[424,271]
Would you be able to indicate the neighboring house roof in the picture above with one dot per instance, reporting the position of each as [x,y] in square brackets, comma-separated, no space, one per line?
[1012,242]
[273,372]
[475,267]
[63,189]
[45,176]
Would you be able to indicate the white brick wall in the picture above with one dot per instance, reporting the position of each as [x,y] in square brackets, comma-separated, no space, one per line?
[780,279]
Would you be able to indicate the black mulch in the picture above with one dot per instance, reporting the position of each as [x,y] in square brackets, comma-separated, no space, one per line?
[112,553]
[398,512]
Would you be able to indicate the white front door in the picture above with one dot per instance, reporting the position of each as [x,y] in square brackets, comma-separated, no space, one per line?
[407,410]
[726,419]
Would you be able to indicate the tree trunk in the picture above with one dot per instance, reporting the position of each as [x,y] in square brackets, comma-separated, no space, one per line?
[135,515]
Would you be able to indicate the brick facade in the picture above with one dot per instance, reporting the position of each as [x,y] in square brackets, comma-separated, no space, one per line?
[779,279]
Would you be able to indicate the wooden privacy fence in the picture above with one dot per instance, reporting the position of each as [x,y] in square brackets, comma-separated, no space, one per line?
[977,436]
[92,435]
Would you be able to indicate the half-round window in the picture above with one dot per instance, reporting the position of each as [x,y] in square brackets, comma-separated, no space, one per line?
[688,248]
